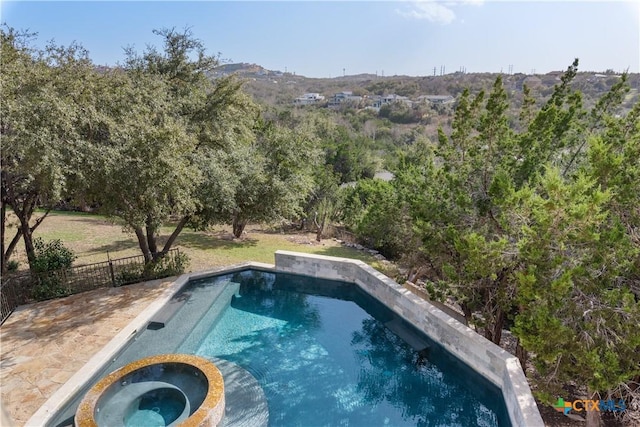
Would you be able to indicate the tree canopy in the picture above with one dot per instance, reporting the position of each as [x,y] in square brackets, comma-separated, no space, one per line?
[532,227]
[42,114]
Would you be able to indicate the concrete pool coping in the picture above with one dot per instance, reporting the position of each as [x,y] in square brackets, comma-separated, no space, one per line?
[495,364]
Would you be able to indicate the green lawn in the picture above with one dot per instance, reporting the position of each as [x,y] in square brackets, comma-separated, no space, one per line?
[94,238]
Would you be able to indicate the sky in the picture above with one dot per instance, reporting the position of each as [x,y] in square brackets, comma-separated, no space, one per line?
[331,38]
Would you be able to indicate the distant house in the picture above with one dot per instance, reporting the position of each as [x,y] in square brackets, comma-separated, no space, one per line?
[390,99]
[604,76]
[308,99]
[436,99]
[342,98]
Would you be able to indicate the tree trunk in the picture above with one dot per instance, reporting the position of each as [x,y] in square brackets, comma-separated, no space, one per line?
[3,223]
[174,235]
[238,226]
[27,237]
[23,207]
[522,355]
[24,215]
[6,254]
[151,237]
[147,240]
[144,247]
[468,315]
[494,332]
[320,226]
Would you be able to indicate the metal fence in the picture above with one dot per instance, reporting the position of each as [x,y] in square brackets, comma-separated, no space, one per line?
[23,288]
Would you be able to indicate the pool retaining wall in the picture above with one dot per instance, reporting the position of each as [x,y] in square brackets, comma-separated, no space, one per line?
[497,365]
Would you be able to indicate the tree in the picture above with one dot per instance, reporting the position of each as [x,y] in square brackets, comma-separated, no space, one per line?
[272,175]
[375,211]
[350,156]
[458,209]
[577,314]
[42,116]
[324,202]
[170,128]
[539,229]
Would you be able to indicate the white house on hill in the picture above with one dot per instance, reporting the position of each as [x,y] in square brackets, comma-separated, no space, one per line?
[344,97]
[436,99]
[308,99]
[390,99]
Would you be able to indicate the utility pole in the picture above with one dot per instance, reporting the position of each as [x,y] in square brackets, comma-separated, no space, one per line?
[434,71]
[344,72]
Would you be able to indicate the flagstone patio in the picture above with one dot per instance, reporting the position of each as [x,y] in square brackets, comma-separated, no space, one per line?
[43,344]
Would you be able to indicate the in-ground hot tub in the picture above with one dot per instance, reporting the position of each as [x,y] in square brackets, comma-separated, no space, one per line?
[165,390]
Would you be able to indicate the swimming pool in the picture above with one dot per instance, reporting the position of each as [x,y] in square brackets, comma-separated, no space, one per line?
[324,353]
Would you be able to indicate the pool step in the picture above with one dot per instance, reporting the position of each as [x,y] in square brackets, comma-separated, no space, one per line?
[245,402]
[159,320]
[194,337]
[410,337]
[179,323]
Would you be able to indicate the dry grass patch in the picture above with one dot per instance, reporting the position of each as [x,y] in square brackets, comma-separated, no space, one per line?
[94,238]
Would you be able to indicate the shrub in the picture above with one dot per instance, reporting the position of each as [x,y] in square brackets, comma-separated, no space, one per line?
[52,260]
[129,274]
[51,255]
[172,264]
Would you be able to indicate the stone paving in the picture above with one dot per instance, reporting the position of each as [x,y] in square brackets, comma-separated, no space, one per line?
[43,344]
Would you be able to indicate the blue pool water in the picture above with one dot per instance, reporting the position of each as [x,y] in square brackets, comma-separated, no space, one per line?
[157,408]
[325,354]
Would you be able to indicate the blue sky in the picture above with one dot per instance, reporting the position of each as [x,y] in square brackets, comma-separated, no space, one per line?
[323,38]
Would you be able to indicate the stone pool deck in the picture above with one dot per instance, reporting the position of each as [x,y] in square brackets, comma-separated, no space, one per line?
[43,344]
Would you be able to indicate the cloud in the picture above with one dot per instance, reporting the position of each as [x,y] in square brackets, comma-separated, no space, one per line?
[435,11]
[429,10]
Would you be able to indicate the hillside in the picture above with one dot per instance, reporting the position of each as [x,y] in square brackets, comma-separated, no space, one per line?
[280,88]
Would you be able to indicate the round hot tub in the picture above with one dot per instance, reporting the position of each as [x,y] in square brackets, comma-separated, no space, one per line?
[164,390]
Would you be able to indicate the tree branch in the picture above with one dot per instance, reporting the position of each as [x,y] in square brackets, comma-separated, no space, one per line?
[175,234]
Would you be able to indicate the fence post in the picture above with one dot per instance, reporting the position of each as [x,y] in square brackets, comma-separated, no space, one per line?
[113,276]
